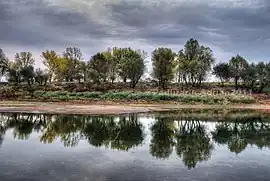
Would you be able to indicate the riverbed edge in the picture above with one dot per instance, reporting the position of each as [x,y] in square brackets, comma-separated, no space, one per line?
[111,107]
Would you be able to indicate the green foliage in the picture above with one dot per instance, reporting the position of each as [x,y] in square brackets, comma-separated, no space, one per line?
[73,56]
[41,77]
[149,96]
[99,66]
[194,62]
[222,71]
[163,62]
[24,59]
[3,63]
[52,62]
[238,65]
[126,66]
[28,74]
[133,66]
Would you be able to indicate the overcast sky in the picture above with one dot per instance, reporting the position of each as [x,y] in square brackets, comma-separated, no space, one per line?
[228,27]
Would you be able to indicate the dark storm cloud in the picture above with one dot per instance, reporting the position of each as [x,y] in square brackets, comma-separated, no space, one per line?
[35,24]
[236,26]
[232,26]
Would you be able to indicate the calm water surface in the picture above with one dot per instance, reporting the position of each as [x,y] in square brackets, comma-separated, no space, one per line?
[163,146]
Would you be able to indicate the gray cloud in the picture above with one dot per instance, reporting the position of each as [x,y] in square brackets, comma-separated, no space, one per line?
[227,26]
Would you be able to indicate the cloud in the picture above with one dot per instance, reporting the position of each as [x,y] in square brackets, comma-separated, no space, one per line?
[227,26]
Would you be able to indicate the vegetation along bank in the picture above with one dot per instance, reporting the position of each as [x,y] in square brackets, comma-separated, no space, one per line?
[121,74]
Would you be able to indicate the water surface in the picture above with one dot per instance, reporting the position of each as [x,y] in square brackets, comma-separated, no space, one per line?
[162,146]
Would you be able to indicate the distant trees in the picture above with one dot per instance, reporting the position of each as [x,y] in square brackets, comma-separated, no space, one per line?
[134,65]
[3,63]
[194,62]
[22,68]
[51,62]
[41,77]
[238,65]
[190,66]
[222,71]
[253,76]
[163,62]
[73,56]
[24,60]
[99,65]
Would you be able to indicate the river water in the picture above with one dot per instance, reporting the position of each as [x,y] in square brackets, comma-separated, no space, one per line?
[186,146]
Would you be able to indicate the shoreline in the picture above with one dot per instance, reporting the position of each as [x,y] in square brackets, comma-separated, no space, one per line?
[111,107]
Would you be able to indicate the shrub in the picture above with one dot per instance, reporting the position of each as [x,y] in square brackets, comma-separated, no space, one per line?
[149,96]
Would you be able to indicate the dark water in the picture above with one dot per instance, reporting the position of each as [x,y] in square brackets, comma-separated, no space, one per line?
[164,146]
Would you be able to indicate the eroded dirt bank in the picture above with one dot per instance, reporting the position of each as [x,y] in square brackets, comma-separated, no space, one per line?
[108,108]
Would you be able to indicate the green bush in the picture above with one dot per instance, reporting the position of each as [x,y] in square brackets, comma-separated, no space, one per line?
[90,95]
[148,96]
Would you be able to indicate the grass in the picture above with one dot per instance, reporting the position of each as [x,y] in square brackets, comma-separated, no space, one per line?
[147,96]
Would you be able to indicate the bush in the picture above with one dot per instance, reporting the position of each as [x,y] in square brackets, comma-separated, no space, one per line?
[7,92]
[149,96]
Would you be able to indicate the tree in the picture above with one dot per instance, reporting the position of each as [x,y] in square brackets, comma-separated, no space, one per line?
[51,61]
[14,74]
[238,65]
[112,56]
[28,74]
[73,56]
[82,70]
[133,65]
[99,65]
[222,71]
[263,75]
[24,59]
[163,62]
[250,76]
[119,62]
[41,77]
[194,62]
[3,63]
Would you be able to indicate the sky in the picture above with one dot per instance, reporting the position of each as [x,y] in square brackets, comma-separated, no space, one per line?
[228,27]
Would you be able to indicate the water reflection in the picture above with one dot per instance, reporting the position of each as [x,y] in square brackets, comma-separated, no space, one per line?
[162,142]
[238,135]
[192,138]
[193,143]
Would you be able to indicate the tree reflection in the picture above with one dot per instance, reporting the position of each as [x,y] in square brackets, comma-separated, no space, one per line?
[122,134]
[162,141]
[193,143]
[128,133]
[188,136]
[98,131]
[23,124]
[64,127]
[237,135]
[2,132]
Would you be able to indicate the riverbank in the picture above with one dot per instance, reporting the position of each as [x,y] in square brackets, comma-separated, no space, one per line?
[110,107]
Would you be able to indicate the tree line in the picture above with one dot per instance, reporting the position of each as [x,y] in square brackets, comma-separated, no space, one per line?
[187,136]
[190,66]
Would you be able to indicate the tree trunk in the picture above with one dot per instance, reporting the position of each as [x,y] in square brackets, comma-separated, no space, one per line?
[222,83]
[163,85]
[261,88]
[236,83]
[200,83]
[185,80]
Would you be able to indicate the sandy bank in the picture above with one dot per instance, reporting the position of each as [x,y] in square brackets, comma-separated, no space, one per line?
[108,108]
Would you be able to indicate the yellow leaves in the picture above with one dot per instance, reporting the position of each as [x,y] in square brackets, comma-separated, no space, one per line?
[50,59]
[61,64]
